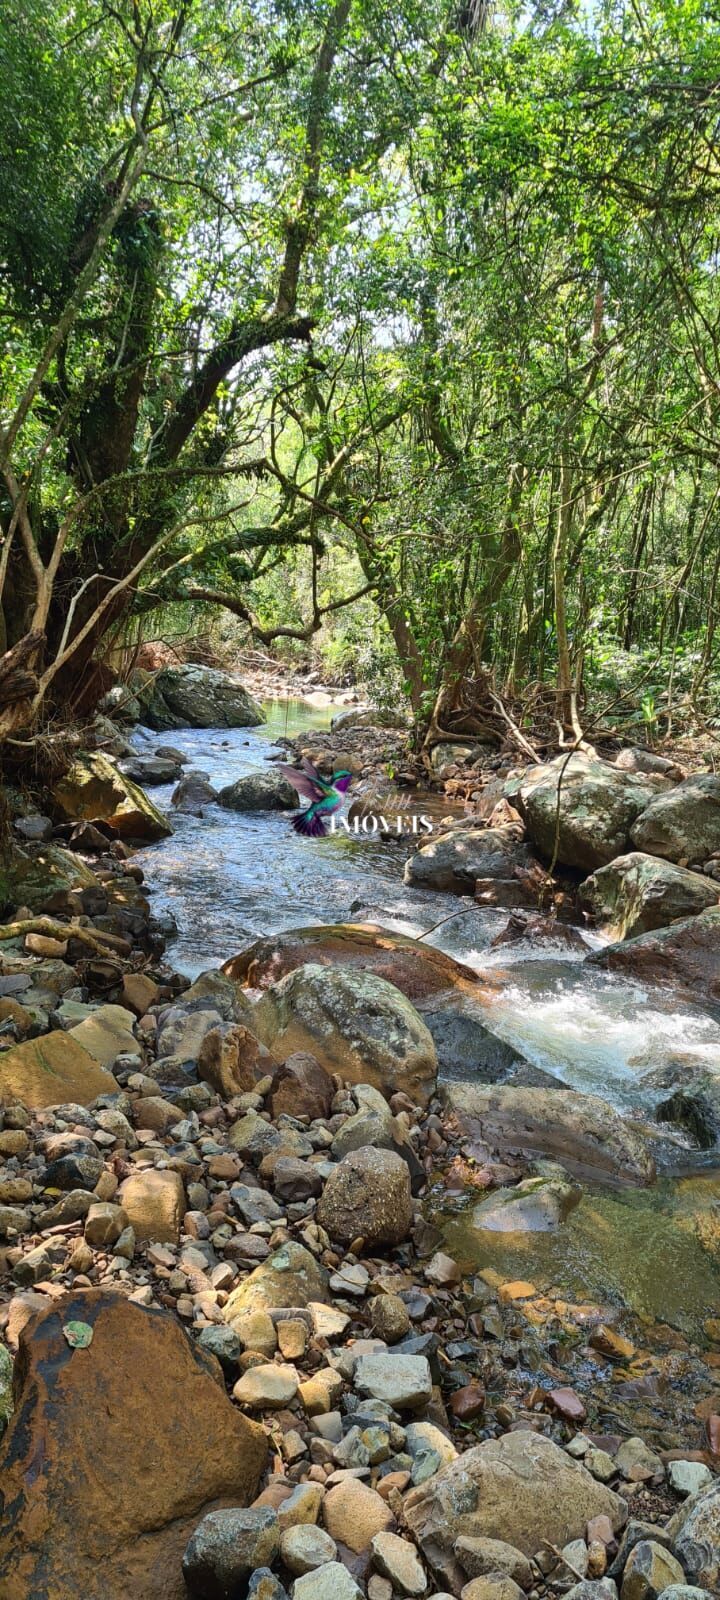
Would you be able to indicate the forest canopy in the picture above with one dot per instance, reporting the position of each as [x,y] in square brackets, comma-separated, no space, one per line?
[393,325]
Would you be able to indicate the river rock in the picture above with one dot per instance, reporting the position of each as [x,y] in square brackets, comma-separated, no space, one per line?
[192,794]
[95,790]
[401,1381]
[367,1195]
[537,1205]
[267,1387]
[354,1513]
[106,1033]
[466,1045]
[182,1029]
[637,893]
[397,1560]
[289,1277]
[355,1023]
[84,1515]
[650,1569]
[33,877]
[598,804]
[227,1545]
[154,1203]
[192,696]
[581,1131]
[685,1591]
[301,1088]
[367,717]
[495,1586]
[686,956]
[695,1532]
[305,1548]
[635,758]
[259,791]
[415,968]
[390,1318]
[683,824]
[454,861]
[50,1071]
[332,1582]
[521,1489]
[232,1060]
[479,1557]
[151,770]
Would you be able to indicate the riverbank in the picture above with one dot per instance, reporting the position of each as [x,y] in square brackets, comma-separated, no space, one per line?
[273,1109]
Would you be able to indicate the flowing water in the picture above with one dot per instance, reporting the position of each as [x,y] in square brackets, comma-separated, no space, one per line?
[230,877]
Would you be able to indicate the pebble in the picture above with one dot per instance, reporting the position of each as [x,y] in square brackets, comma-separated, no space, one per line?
[267,1385]
[305,1548]
[397,1559]
[494,1587]
[688,1477]
[403,1381]
[332,1582]
[650,1570]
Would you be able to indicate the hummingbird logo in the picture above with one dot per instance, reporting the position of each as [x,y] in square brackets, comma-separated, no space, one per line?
[326,796]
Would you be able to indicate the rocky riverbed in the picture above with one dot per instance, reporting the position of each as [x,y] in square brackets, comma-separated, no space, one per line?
[265,1334]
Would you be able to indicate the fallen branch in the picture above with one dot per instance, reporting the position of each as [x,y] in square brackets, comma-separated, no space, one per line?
[62,931]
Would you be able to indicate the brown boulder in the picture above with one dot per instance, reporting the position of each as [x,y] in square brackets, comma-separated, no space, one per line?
[301,1088]
[114,1454]
[94,790]
[685,955]
[139,992]
[368,1196]
[154,1204]
[231,1060]
[51,1071]
[416,969]
[521,1489]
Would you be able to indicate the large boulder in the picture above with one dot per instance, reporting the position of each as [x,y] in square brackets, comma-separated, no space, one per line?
[581,1131]
[522,1489]
[416,969]
[354,1023]
[597,806]
[95,790]
[106,1033]
[289,1277]
[259,791]
[466,1045]
[686,955]
[50,1071]
[115,1452]
[695,1532]
[683,824]
[198,697]
[454,861]
[637,893]
[367,1196]
[33,877]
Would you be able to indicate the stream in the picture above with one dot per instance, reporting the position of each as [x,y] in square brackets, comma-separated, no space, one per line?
[231,877]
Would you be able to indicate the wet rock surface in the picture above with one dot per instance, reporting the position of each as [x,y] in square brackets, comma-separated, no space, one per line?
[104,1470]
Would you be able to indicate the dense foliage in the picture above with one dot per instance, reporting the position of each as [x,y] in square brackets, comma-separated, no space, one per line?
[408,309]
